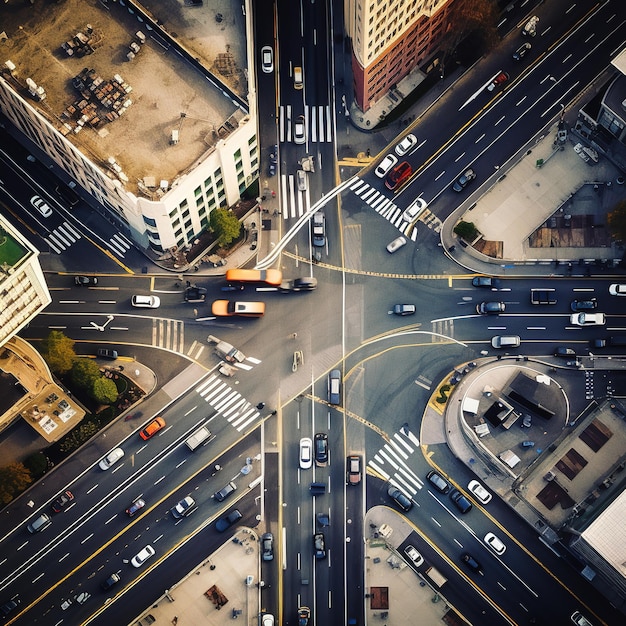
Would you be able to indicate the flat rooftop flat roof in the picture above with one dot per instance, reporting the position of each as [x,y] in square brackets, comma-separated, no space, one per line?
[166,92]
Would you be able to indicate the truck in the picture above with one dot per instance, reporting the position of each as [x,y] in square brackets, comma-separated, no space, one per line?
[543,296]
[198,438]
[226,351]
[530,29]
[436,576]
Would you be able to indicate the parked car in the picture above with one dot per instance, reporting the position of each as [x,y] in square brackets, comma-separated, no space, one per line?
[398,176]
[408,143]
[299,130]
[318,229]
[579,619]
[404,309]
[135,507]
[414,555]
[521,52]
[267,547]
[111,458]
[354,469]
[487,282]
[472,563]
[415,209]
[588,319]
[267,59]
[184,508]
[385,165]
[306,453]
[464,180]
[479,492]
[39,523]
[500,79]
[494,543]
[225,491]
[107,353]
[584,305]
[396,244]
[267,619]
[334,387]
[152,428]
[505,341]
[399,498]
[460,501]
[40,204]
[438,482]
[142,556]
[321,449]
[225,522]
[111,581]
[319,545]
[62,501]
[617,290]
[83,281]
[490,308]
[146,302]
[568,353]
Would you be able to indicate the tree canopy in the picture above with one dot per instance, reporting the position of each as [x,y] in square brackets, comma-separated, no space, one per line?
[58,352]
[84,373]
[225,225]
[14,478]
[103,390]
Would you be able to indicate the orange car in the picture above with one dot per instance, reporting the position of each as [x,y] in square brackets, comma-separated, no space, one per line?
[398,176]
[152,428]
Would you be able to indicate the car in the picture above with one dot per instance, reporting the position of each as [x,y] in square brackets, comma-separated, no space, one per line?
[438,482]
[414,555]
[183,508]
[398,176]
[135,507]
[320,443]
[579,619]
[111,459]
[500,79]
[505,341]
[152,428]
[195,294]
[111,581]
[146,302]
[617,290]
[479,492]
[471,562]
[409,142]
[354,471]
[521,52]
[460,501]
[306,453]
[334,387]
[404,309]
[396,244]
[302,180]
[495,544]
[39,203]
[463,180]
[228,308]
[318,229]
[271,169]
[567,353]
[486,282]
[299,130]
[490,308]
[225,522]
[584,305]
[10,606]
[319,545]
[304,615]
[225,492]
[399,498]
[142,556]
[81,281]
[267,619]
[62,501]
[587,319]
[385,165]
[598,343]
[414,210]
[107,353]
[267,547]
[305,283]
[267,59]
[39,523]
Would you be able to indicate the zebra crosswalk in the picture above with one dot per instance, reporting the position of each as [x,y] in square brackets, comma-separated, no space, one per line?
[390,462]
[169,334]
[63,236]
[386,208]
[229,403]
[318,123]
[442,327]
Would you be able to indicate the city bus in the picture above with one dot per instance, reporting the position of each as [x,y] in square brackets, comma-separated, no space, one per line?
[269,277]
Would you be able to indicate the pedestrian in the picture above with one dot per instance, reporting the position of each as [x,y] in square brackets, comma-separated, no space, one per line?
[260,405]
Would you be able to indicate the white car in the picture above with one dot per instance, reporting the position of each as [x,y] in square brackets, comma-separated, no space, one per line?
[406,144]
[396,244]
[479,492]
[617,290]
[306,453]
[299,130]
[494,543]
[267,619]
[111,459]
[39,203]
[414,210]
[142,556]
[414,555]
[267,59]
[146,302]
[385,165]
[587,319]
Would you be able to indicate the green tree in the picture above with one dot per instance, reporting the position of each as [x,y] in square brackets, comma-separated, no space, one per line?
[225,225]
[104,391]
[466,230]
[37,464]
[617,221]
[58,352]
[14,478]
[84,373]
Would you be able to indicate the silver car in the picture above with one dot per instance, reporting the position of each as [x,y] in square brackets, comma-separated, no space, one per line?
[299,130]
[396,244]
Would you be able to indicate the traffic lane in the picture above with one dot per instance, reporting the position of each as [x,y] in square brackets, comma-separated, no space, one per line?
[353,571]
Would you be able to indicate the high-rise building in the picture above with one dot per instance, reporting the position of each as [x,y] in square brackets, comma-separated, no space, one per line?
[389,39]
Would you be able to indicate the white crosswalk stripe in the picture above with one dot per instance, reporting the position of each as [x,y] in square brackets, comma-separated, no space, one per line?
[119,244]
[168,334]
[295,203]
[445,327]
[62,237]
[318,122]
[228,402]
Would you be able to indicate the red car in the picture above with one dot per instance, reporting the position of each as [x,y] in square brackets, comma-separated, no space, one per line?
[398,176]
[501,78]
[152,428]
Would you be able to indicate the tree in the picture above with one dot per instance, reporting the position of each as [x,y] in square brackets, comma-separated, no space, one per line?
[104,391]
[225,225]
[617,221]
[84,373]
[58,352]
[466,230]
[14,478]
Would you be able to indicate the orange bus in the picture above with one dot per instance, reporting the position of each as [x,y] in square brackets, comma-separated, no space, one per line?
[269,277]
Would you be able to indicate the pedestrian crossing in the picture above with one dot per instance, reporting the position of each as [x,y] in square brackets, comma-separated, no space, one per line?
[318,123]
[119,244]
[390,462]
[229,403]
[63,236]
[168,334]
[445,328]
[294,202]
[386,208]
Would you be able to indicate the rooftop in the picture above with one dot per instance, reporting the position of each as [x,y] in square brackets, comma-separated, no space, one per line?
[11,251]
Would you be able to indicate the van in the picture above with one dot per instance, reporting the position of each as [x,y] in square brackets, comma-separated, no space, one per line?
[38,524]
[297,78]
[302,180]
[224,492]
[200,437]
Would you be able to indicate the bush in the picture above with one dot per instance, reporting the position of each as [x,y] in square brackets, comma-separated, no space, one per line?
[37,464]
[14,478]
[466,230]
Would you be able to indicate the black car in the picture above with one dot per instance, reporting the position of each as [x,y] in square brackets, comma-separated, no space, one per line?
[267,547]
[10,606]
[490,308]
[438,482]
[584,305]
[472,563]
[464,180]
[224,523]
[404,309]
[521,52]
[320,446]
[111,581]
[319,545]
[107,353]
[195,294]
[305,283]
[565,352]
[82,281]
[399,498]
[487,282]
[62,501]
[461,502]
